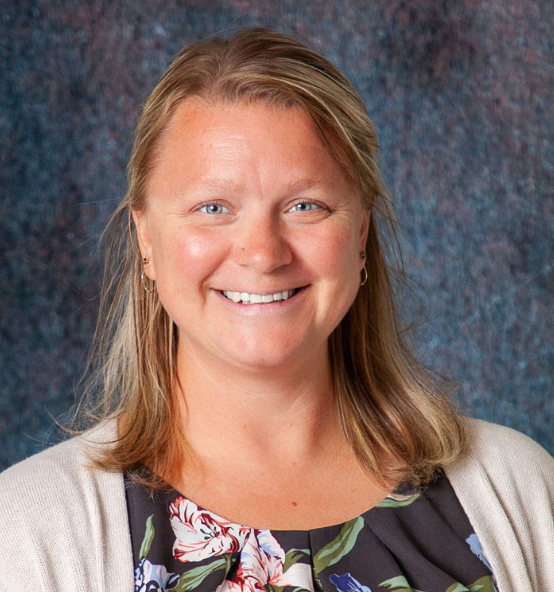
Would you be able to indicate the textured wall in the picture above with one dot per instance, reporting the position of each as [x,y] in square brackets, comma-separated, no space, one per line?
[462,95]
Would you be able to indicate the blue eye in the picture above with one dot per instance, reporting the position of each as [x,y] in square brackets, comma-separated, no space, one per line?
[214,209]
[305,206]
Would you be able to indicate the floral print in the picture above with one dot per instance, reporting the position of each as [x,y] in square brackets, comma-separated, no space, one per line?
[477,549]
[262,563]
[400,545]
[346,583]
[199,534]
[153,578]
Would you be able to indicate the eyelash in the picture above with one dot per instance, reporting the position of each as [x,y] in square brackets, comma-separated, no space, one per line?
[309,202]
[214,204]
[304,202]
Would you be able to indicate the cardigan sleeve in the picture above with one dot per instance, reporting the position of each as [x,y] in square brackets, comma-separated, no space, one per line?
[63,524]
[505,483]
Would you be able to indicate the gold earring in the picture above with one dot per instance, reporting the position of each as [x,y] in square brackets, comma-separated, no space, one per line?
[152,288]
[365,276]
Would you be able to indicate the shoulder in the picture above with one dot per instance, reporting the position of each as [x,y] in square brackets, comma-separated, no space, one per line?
[505,483]
[60,516]
[56,471]
[504,453]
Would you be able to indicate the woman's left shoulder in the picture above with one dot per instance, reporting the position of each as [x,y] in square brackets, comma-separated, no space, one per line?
[502,460]
[504,449]
[505,483]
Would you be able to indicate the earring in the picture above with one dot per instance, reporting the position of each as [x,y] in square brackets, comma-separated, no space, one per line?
[365,276]
[152,288]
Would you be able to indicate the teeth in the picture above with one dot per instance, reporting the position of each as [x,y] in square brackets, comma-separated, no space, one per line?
[247,298]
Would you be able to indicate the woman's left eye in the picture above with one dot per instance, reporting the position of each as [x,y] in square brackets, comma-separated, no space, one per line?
[305,206]
[213,209]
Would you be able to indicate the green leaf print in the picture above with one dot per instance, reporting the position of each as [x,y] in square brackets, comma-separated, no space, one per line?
[392,503]
[398,584]
[148,537]
[340,546]
[484,584]
[457,588]
[317,582]
[294,556]
[194,577]
[401,584]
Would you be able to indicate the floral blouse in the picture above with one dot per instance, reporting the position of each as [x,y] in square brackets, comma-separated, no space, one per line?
[422,542]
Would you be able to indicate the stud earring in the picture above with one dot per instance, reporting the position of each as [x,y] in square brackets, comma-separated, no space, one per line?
[364,270]
[143,279]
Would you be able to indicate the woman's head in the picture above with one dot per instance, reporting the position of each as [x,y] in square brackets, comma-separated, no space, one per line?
[259,66]
[244,204]
[384,398]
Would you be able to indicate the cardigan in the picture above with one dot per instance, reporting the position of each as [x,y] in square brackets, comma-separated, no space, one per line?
[64,524]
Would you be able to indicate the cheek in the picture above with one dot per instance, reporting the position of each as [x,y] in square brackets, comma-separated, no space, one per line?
[337,255]
[185,255]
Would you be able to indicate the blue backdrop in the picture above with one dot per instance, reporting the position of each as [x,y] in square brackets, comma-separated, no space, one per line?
[461,92]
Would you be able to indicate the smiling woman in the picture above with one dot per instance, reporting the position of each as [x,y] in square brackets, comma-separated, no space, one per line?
[259,420]
[246,200]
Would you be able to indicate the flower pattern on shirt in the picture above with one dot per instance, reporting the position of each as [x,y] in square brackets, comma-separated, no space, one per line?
[262,561]
[212,554]
[153,578]
[200,534]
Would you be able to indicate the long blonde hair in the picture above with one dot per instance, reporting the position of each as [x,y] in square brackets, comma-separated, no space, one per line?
[389,404]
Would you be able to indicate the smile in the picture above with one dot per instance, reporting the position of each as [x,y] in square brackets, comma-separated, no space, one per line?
[247,298]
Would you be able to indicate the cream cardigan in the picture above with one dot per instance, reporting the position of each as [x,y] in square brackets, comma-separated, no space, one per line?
[63,526]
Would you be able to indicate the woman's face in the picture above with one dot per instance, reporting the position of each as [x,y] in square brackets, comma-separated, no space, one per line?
[253,233]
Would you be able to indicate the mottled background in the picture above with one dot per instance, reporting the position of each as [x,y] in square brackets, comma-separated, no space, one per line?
[461,92]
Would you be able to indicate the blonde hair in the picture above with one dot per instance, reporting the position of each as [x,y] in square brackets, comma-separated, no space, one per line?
[390,407]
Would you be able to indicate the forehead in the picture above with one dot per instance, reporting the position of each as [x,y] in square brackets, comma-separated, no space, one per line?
[209,142]
[195,119]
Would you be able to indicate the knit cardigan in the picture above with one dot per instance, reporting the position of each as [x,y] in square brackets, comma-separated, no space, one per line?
[64,526]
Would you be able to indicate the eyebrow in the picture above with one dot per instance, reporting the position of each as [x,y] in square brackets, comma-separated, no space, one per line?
[230,186]
[303,184]
[217,184]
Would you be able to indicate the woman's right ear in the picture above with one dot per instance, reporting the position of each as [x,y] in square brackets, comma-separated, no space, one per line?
[145,244]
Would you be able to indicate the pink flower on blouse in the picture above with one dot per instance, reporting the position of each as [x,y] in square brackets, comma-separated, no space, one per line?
[201,534]
[262,562]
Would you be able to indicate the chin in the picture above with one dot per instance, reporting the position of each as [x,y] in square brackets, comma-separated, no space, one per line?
[264,361]
[268,356]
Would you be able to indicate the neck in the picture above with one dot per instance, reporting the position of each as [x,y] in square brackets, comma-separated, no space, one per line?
[263,446]
[254,413]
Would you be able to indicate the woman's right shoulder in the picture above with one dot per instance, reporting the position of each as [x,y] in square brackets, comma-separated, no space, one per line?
[56,469]
[58,509]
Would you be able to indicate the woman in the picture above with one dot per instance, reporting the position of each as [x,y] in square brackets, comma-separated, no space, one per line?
[253,369]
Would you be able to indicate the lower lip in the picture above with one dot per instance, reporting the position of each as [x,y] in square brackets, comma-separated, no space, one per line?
[265,307]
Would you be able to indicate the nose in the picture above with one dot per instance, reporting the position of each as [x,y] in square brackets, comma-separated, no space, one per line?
[262,246]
